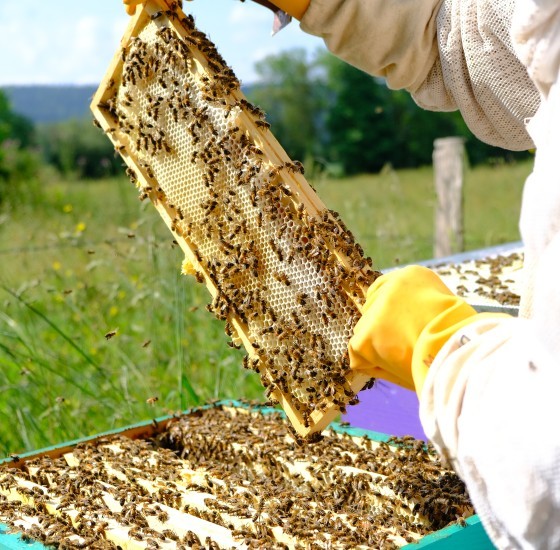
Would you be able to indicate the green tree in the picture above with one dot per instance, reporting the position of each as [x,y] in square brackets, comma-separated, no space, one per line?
[324,108]
[14,126]
[78,149]
[291,96]
[360,118]
[370,125]
[419,128]
[18,162]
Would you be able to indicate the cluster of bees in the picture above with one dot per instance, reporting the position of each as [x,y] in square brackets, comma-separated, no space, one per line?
[488,278]
[241,473]
[285,273]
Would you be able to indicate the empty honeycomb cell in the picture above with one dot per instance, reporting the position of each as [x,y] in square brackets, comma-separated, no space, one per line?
[281,266]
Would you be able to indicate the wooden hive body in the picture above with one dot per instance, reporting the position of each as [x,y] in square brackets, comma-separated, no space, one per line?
[284,272]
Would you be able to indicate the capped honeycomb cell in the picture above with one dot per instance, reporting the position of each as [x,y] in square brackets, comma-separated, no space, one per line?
[284,272]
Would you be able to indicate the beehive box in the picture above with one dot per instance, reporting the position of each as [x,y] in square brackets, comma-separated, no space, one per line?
[232,476]
[488,280]
[284,272]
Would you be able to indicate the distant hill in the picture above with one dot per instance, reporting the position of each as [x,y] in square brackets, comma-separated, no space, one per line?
[51,103]
[43,104]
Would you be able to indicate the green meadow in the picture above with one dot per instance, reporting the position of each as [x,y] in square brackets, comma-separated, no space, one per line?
[96,319]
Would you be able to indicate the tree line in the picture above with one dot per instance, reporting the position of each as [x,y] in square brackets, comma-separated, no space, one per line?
[322,110]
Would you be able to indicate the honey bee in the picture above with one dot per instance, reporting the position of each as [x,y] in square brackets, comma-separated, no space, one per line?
[294,167]
[282,277]
[254,149]
[163,516]
[286,190]
[259,219]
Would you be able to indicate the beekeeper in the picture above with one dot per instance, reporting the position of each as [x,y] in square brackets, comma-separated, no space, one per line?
[489,384]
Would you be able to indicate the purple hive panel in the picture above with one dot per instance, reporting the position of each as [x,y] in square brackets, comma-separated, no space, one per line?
[387,408]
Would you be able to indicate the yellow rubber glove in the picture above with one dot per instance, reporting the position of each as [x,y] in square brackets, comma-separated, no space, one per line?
[130,6]
[408,316]
[295,8]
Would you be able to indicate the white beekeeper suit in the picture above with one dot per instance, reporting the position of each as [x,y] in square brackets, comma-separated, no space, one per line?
[490,402]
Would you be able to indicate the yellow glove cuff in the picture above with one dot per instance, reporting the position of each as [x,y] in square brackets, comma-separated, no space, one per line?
[296,8]
[130,6]
[437,333]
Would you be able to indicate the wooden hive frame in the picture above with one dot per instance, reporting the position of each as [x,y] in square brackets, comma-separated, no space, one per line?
[176,521]
[300,355]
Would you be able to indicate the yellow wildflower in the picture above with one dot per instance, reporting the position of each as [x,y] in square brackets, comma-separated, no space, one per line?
[187,268]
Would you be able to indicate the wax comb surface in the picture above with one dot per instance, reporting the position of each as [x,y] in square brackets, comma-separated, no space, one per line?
[284,272]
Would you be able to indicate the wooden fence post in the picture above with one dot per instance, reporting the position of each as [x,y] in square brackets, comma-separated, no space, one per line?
[448,173]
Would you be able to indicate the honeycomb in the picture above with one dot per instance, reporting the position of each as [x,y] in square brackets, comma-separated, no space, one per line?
[231,477]
[284,272]
[490,283]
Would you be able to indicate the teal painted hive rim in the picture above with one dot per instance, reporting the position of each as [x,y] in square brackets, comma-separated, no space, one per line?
[448,538]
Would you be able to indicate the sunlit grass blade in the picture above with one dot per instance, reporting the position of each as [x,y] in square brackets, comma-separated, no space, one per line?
[55,327]
[194,398]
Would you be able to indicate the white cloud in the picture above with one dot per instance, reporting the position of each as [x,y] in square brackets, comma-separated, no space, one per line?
[21,56]
[260,53]
[246,13]
[74,42]
[86,34]
[44,43]
[117,28]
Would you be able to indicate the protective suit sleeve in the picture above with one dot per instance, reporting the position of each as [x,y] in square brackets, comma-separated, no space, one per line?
[450,54]
[490,399]
[393,39]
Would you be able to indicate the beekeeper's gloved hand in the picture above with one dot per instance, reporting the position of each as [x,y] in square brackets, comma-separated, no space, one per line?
[130,6]
[408,316]
[295,8]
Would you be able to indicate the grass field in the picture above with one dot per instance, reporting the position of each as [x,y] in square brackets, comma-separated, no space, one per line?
[92,260]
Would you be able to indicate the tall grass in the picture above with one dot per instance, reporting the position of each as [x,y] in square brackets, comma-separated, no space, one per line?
[392,214]
[91,260]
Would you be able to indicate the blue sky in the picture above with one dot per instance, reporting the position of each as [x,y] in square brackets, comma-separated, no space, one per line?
[72,41]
